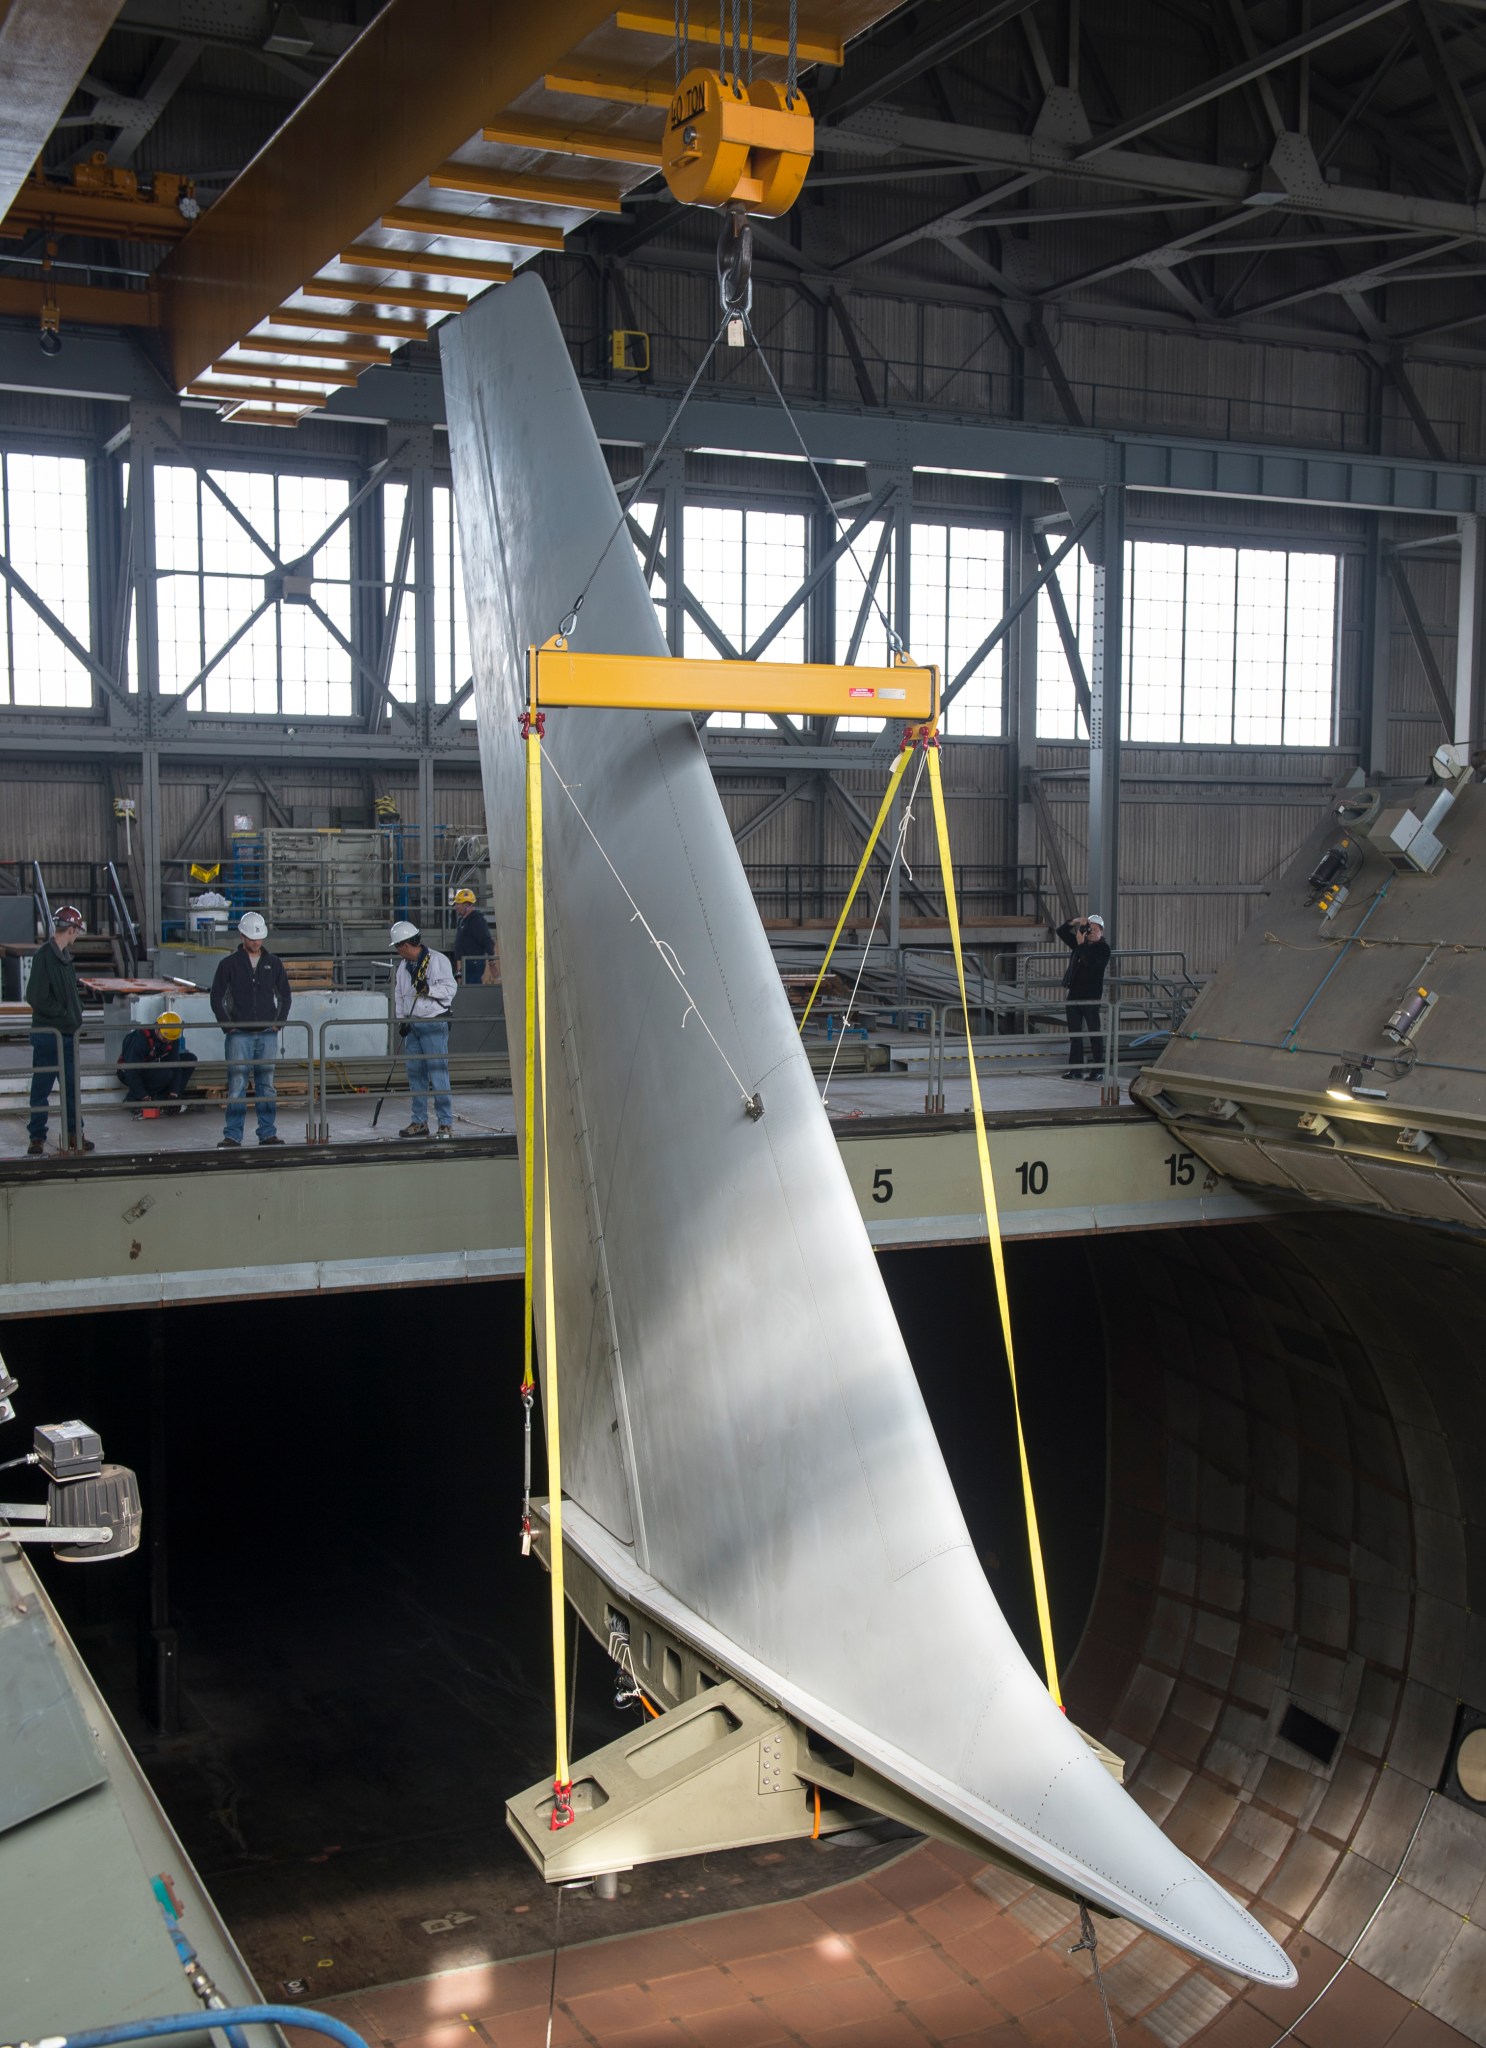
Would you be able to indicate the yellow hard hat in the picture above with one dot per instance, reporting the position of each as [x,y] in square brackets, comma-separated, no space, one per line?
[464,895]
[168,1024]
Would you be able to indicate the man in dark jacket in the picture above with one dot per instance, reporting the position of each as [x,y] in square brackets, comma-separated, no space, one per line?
[56,1018]
[250,999]
[473,945]
[154,1066]
[1084,981]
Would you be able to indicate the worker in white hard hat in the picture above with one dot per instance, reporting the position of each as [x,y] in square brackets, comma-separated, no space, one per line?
[250,1000]
[155,1064]
[1084,981]
[473,945]
[421,996]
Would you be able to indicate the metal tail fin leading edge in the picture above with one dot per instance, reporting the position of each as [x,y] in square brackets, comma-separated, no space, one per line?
[744,1441]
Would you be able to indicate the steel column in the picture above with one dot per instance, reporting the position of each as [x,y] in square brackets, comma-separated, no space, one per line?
[1106,694]
[1375,665]
[1469,632]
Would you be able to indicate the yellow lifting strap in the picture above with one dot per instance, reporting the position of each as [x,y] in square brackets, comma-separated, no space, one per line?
[856,881]
[993,1227]
[536,1091]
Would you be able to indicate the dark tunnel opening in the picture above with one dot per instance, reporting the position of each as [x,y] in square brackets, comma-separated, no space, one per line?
[1258,1451]
[364,1658]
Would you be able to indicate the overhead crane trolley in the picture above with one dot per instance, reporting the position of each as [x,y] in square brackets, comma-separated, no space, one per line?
[735,142]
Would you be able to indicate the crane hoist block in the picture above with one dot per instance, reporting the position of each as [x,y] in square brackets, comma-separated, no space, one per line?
[729,141]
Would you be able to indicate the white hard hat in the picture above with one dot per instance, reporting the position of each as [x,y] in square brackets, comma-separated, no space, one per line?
[402,932]
[251,925]
[1094,918]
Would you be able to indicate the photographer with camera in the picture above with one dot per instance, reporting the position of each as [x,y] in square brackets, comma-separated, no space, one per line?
[1084,981]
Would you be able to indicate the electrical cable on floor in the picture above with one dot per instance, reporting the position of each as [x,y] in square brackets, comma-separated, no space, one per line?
[1367,1925]
[895,858]
[1090,1940]
[664,950]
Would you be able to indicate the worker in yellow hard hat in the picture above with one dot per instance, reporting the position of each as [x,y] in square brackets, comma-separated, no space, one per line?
[474,948]
[155,1064]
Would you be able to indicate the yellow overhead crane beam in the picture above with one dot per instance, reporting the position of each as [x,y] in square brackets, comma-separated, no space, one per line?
[604,145]
[408,94]
[560,676]
[470,227]
[495,184]
[426,263]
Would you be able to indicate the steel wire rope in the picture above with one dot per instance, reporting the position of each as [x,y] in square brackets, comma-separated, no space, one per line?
[664,950]
[894,637]
[896,857]
[1089,1940]
[570,617]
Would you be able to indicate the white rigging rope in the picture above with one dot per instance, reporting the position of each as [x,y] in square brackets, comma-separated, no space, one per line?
[664,950]
[896,857]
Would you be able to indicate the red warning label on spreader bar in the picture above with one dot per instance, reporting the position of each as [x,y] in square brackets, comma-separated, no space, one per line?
[860,690]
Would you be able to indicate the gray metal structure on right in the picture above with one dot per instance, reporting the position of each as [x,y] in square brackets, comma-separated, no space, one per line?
[746,1453]
[1339,1053]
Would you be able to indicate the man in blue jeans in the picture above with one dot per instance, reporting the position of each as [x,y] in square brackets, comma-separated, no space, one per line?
[56,1018]
[250,999]
[424,989]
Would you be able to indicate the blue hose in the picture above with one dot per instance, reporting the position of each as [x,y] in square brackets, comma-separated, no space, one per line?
[202,2022]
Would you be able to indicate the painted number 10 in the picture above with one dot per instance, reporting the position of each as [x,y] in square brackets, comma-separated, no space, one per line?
[1032,1173]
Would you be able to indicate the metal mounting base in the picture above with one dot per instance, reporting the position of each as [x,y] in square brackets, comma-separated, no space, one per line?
[721,1768]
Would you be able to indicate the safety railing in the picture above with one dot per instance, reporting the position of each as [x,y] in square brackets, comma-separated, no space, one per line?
[354,1076]
[1106,1024]
[794,892]
[72,1104]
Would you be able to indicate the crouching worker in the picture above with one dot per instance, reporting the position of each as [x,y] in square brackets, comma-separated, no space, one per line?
[154,1065]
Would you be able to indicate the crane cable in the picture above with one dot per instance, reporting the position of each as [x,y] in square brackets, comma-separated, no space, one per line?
[536,1089]
[928,738]
[873,836]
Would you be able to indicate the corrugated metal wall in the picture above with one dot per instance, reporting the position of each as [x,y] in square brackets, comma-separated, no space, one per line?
[62,810]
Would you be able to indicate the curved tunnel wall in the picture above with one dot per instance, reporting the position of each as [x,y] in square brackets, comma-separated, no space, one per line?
[1297,1515]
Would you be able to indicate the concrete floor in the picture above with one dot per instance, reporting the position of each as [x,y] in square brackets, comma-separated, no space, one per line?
[478,1111]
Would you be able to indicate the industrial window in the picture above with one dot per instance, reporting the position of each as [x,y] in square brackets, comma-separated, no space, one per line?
[645,514]
[860,619]
[957,592]
[451,639]
[743,566]
[44,534]
[1223,646]
[401,671]
[441,580]
[222,620]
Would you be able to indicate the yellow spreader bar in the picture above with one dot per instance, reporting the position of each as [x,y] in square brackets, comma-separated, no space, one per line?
[562,676]
[536,1071]
[993,1229]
